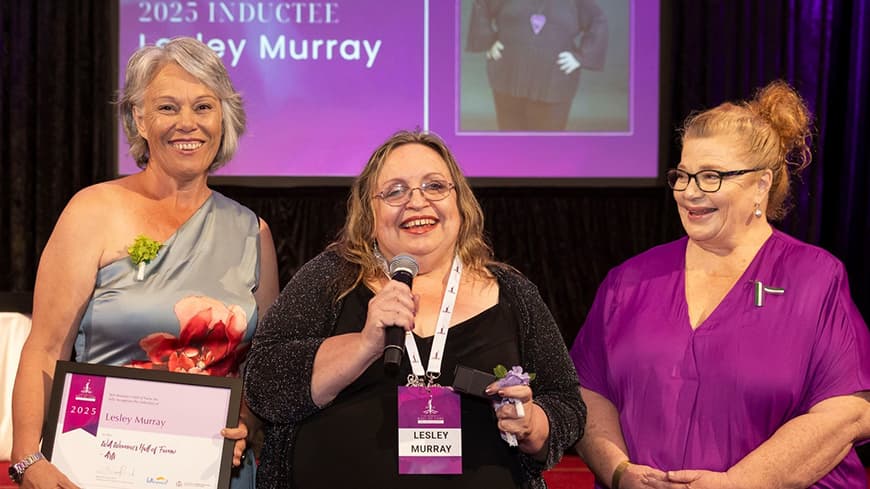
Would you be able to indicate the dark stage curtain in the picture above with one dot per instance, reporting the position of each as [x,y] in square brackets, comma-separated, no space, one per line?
[545,233]
[56,122]
[56,136]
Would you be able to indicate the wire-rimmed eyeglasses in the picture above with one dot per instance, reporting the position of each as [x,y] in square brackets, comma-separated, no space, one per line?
[708,181]
[400,194]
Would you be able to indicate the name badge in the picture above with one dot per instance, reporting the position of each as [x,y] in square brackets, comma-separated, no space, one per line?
[430,431]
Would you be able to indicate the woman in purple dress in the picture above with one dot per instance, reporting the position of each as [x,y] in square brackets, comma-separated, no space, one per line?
[733,357]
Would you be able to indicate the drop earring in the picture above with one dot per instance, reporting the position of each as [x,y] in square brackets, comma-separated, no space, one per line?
[758,212]
[379,257]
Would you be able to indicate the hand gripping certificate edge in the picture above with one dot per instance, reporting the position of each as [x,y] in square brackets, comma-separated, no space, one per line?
[63,368]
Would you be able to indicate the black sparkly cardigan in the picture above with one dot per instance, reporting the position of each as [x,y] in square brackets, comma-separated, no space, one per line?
[280,363]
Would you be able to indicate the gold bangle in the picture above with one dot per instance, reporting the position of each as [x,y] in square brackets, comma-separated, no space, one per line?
[617,474]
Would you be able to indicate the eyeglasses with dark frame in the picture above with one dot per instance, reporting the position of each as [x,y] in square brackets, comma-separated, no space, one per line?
[400,194]
[709,181]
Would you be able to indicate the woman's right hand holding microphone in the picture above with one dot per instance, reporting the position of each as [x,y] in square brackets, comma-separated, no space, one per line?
[393,305]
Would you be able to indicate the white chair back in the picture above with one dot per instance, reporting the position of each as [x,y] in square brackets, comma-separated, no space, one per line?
[14,328]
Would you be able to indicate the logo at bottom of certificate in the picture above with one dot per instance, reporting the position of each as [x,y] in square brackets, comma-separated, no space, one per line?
[159,480]
[192,484]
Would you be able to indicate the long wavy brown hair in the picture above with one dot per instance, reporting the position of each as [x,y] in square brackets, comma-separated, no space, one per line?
[355,241]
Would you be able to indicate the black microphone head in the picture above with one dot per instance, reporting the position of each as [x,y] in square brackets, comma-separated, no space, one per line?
[403,263]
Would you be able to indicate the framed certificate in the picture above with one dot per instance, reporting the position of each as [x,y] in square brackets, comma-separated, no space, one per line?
[119,427]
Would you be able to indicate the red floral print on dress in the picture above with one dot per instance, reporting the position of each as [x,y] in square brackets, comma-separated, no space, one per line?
[210,340]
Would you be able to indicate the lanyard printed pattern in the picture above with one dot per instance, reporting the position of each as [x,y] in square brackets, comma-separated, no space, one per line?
[427,376]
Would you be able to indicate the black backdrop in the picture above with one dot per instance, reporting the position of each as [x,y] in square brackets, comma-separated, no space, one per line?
[57,136]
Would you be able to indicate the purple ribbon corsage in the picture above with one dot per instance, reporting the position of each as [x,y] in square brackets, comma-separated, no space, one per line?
[509,378]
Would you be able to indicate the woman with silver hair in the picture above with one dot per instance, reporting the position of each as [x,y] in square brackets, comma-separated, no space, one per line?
[155,265]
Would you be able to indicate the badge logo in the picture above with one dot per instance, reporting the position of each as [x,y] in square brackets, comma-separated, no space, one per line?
[86,394]
[429,415]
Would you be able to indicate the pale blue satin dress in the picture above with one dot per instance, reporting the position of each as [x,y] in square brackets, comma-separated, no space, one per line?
[194,310]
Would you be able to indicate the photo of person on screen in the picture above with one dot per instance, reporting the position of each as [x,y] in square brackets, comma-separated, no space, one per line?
[535,50]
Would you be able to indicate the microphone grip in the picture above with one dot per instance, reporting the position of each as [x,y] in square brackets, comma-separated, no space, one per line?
[394,336]
[394,348]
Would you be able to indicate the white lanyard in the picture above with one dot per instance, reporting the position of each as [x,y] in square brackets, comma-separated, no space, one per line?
[433,371]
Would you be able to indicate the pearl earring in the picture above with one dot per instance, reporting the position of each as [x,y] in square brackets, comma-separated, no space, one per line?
[758,212]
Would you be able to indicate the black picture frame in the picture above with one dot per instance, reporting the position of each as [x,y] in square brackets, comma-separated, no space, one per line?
[64,369]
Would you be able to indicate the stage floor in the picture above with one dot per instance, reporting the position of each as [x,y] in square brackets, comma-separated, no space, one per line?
[571,473]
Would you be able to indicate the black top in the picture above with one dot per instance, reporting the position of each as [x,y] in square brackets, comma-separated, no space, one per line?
[359,429]
[281,362]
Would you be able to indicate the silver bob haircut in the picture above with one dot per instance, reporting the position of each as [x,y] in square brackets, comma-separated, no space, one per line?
[204,64]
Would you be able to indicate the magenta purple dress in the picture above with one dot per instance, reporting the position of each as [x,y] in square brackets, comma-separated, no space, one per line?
[704,398]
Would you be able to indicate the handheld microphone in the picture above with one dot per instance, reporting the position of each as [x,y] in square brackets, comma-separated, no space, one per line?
[402,268]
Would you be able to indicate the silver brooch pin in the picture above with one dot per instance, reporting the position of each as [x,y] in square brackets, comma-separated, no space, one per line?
[761,289]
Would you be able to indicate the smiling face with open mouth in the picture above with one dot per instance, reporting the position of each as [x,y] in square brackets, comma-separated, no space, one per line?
[724,217]
[426,229]
[181,119]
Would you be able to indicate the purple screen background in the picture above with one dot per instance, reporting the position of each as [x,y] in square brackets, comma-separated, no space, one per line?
[323,117]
